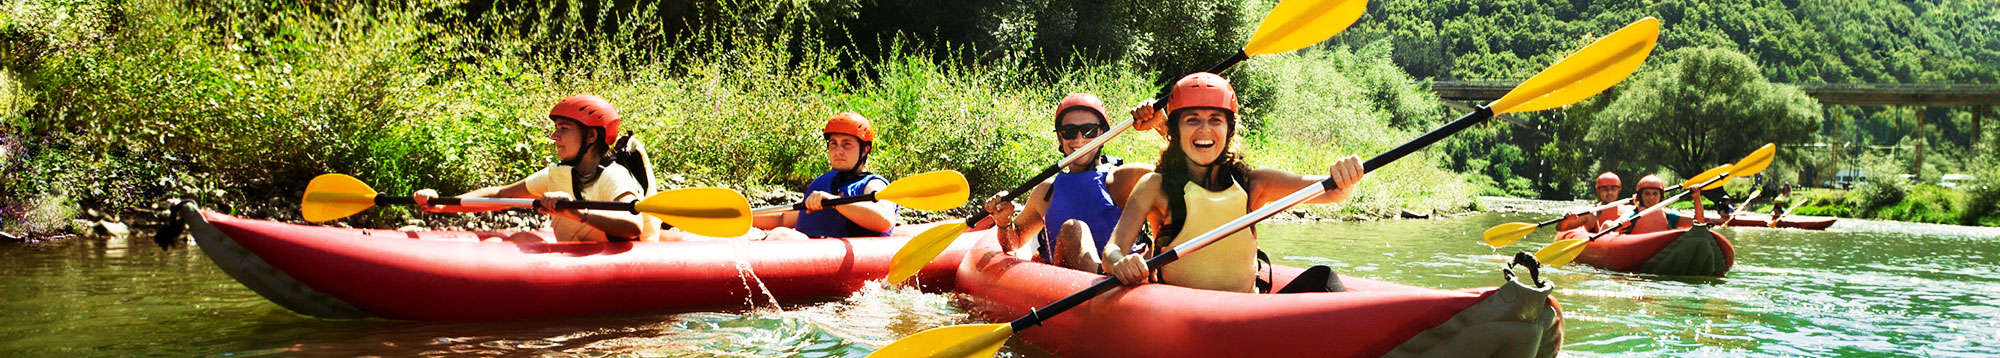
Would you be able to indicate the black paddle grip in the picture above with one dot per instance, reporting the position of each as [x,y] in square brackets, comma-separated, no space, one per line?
[1025,186]
[597,205]
[801,206]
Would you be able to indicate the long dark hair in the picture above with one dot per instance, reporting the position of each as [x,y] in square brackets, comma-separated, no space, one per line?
[1228,169]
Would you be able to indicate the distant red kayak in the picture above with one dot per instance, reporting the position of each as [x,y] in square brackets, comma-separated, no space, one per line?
[1687,252]
[1372,318]
[1789,221]
[450,275]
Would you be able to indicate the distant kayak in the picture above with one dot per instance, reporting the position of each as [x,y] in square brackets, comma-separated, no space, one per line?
[336,272]
[1684,252]
[1789,221]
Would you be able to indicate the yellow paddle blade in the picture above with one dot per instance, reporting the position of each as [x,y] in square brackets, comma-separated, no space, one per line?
[334,196]
[1593,69]
[1507,234]
[714,212]
[921,249]
[1755,162]
[933,191]
[965,340]
[1706,176]
[1561,252]
[1295,24]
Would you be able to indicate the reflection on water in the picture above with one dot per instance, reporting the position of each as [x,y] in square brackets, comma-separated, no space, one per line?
[1861,288]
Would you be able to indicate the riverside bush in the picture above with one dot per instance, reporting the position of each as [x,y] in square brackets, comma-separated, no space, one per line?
[243,102]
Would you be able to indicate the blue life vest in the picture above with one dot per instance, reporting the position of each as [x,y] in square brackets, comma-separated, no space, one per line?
[829,222]
[1080,196]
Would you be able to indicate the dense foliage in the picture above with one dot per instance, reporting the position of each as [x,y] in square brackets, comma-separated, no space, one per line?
[115,106]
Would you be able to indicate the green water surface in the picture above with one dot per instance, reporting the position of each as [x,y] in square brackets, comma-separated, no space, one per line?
[1860,289]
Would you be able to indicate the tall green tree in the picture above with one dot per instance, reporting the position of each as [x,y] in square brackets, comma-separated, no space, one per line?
[1708,106]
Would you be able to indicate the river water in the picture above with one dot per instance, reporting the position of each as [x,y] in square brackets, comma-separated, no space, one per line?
[1861,288]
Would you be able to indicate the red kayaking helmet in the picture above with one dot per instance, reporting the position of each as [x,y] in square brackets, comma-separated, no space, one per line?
[849,123]
[1652,182]
[1082,101]
[1607,179]
[1202,90]
[590,110]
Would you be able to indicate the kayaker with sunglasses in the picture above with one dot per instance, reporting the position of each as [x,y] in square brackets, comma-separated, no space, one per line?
[1083,200]
[1202,183]
[849,140]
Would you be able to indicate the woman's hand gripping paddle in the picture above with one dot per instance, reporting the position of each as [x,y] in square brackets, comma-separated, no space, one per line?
[933,191]
[1563,251]
[717,212]
[1292,25]
[1587,72]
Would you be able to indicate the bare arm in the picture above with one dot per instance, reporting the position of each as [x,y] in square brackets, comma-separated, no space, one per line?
[518,189]
[1029,221]
[614,223]
[1123,180]
[1269,185]
[874,216]
[1145,203]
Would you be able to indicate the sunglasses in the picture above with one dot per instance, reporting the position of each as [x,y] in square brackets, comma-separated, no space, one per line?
[1071,131]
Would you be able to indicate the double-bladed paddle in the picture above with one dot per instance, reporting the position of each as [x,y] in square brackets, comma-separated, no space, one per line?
[933,191]
[1563,251]
[1510,233]
[1292,25]
[717,212]
[1584,73]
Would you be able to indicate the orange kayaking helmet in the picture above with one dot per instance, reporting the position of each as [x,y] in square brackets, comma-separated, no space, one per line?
[1652,182]
[590,110]
[1202,90]
[849,123]
[1079,102]
[1607,179]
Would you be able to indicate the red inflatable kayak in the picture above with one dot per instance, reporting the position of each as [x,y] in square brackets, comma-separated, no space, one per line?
[1789,221]
[1687,252]
[1372,318]
[452,275]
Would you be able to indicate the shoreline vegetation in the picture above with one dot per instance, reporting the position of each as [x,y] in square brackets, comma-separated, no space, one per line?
[113,109]
[109,110]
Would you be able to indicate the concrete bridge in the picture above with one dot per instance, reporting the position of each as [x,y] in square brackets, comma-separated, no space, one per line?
[1863,94]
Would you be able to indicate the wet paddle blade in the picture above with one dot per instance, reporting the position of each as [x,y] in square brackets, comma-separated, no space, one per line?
[1593,69]
[933,191]
[965,340]
[333,196]
[1507,234]
[1561,252]
[713,212]
[1295,24]
[921,249]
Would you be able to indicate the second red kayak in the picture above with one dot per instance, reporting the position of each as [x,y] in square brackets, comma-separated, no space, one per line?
[1684,252]
[1789,221]
[1372,318]
[336,272]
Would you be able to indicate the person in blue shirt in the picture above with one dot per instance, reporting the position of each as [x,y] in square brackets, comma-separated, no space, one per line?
[849,140]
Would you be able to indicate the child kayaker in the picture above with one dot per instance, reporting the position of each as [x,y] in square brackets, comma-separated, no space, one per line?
[1607,188]
[586,129]
[1084,199]
[1202,182]
[849,140]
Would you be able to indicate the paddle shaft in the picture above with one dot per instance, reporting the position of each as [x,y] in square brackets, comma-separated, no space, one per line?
[1094,144]
[381,199]
[801,206]
[1035,317]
